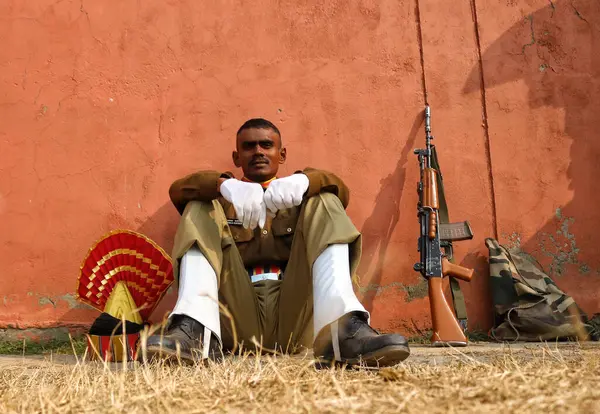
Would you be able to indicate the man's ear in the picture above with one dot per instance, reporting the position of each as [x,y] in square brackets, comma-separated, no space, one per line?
[282,155]
[236,159]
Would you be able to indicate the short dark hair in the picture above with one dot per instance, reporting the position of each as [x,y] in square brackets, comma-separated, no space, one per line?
[259,123]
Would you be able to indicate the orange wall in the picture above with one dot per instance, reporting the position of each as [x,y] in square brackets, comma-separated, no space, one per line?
[104,104]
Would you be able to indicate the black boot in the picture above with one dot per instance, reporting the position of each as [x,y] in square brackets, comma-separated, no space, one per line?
[360,344]
[183,340]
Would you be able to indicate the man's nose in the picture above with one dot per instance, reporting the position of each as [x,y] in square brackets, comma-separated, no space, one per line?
[258,149]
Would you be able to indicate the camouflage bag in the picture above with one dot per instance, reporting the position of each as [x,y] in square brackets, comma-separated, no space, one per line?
[528,306]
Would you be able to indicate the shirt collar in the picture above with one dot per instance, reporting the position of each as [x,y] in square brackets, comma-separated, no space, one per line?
[264,184]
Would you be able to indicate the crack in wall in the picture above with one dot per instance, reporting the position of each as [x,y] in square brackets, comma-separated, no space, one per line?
[485,124]
[578,14]
[421,52]
[89,22]
[44,300]
[530,18]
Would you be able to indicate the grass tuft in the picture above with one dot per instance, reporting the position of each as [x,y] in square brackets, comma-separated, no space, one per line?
[56,346]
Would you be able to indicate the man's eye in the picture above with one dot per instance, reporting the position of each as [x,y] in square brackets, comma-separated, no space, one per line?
[266,144]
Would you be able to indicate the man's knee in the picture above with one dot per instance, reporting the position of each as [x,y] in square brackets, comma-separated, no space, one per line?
[202,218]
[201,225]
[328,201]
[325,222]
[325,210]
[208,209]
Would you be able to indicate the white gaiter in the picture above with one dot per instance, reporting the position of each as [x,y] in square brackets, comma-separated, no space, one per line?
[198,294]
[333,296]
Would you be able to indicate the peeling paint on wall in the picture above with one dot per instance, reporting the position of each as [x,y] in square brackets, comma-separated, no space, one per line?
[413,292]
[68,298]
[9,299]
[418,291]
[514,246]
[43,300]
[514,240]
[561,247]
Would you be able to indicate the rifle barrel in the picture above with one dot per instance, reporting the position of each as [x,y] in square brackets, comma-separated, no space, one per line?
[428,136]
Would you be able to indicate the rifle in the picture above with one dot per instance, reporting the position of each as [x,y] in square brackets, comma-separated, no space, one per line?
[435,245]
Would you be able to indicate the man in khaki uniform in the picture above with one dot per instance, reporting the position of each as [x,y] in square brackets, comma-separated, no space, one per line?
[277,253]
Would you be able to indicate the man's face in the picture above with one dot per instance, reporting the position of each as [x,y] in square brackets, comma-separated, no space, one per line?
[259,153]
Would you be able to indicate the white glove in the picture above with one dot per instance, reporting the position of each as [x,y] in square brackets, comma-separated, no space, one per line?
[247,199]
[286,192]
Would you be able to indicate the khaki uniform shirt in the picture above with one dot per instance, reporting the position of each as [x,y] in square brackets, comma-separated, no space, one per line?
[271,245]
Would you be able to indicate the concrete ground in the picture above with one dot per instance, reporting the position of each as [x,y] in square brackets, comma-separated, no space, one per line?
[421,354]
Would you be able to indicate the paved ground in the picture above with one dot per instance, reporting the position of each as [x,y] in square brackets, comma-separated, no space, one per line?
[424,354]
[485,351]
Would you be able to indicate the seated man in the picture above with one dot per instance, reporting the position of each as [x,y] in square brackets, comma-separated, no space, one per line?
[278,253]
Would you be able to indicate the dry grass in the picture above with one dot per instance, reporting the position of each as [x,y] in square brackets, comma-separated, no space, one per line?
[530,379]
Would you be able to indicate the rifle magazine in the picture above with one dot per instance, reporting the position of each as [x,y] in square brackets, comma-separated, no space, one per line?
[455,231]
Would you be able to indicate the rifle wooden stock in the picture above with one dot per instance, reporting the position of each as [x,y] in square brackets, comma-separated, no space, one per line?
[454,270]
[446,330]
[430,198]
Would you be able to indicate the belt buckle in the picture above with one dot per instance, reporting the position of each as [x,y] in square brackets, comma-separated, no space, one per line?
[264,276]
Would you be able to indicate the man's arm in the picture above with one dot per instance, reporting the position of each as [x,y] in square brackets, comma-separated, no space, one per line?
[320,181]
[199,186]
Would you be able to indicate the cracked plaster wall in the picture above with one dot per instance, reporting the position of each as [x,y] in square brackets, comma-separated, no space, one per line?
[104,104]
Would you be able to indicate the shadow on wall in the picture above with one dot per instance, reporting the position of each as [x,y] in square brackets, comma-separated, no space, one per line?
[556,52]
[160,227]
[378,228]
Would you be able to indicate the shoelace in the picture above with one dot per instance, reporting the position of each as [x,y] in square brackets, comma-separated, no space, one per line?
[358,323]
[186,325]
